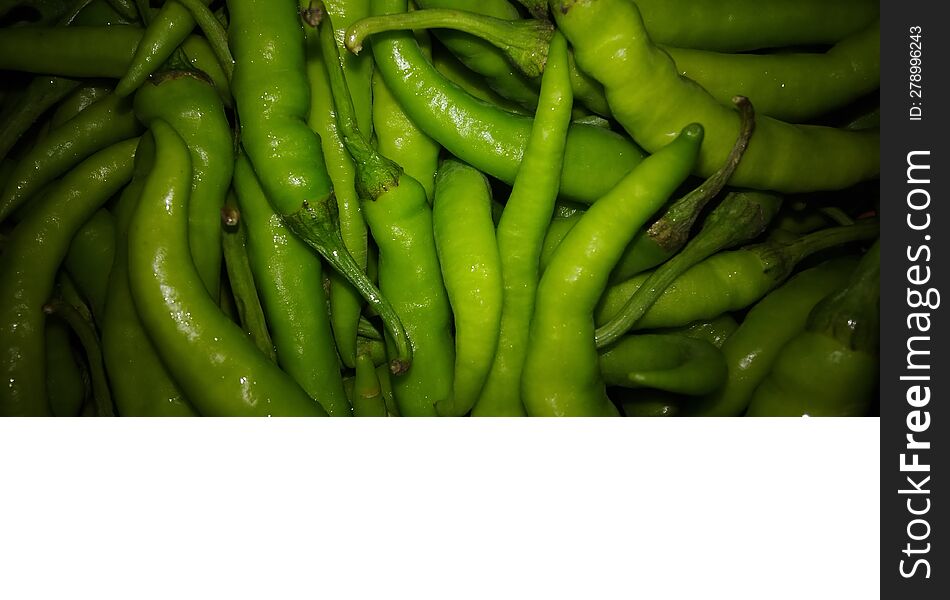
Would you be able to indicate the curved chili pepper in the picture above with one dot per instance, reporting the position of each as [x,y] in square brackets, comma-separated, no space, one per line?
[290,283]
[729,280]
[165,32]
[561,376]
[217,366]
[794,87]
[186,101]
[452,69]
[89,259]
[141,385]
[668,362]
[520,230]
[751,350]
[82,98]
[650,99]
[471,267]
[272,96]
[108,121]
[741,217]
[489,139]
[40,95]
[400,220]
[28,268]
[830,369]
[736,25]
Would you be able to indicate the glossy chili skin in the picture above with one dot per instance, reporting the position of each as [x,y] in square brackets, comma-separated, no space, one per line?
[830,368]
[345,302]
[187,101]
[561,375]
[471,267]
[40,95]
[491,140]
[521,233]
[793,87]
[481,56]
[85,96]
[650,99]
[28,266]
[668,362]
[775,319]
[140,383]
[729,280]
[106,122]
[290,284]
[218,367]
[736,25]
[166,31]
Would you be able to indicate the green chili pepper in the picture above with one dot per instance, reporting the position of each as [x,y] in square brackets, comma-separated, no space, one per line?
[471,268]
[523,222]
[735,25]
[64,382]
[81,51]
[830,369]
[481,56]
[716,331]
[187,101]
[561,376]
[42,93]
[670,232]
[401,141]
[729,280]
[28,268]
[247,303]
[452,69]
[85,331]
[524,41]
[741,217]
[346,304]
[400,220]
[649,98]
[290,283]
[272,96]
[106,122]
[214,32]
[669,362]
[489,139]
[219,369]
[89,259]
[791,87]
[751,350]
[82,98]
[140,383]
[165,32]
[649,403]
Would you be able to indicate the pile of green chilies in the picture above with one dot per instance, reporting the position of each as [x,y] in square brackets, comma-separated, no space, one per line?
[485,208]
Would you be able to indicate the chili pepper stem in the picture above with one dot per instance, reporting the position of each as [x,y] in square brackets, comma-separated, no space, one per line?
[525,42]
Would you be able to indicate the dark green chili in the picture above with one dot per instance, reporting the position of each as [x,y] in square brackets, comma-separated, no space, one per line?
[751,350]
[668,362]
[165,32]
[28,268]
[42,93]
[64,379]
[90,257]
[85,96]
[140,383]
[108,121]
[830,369]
